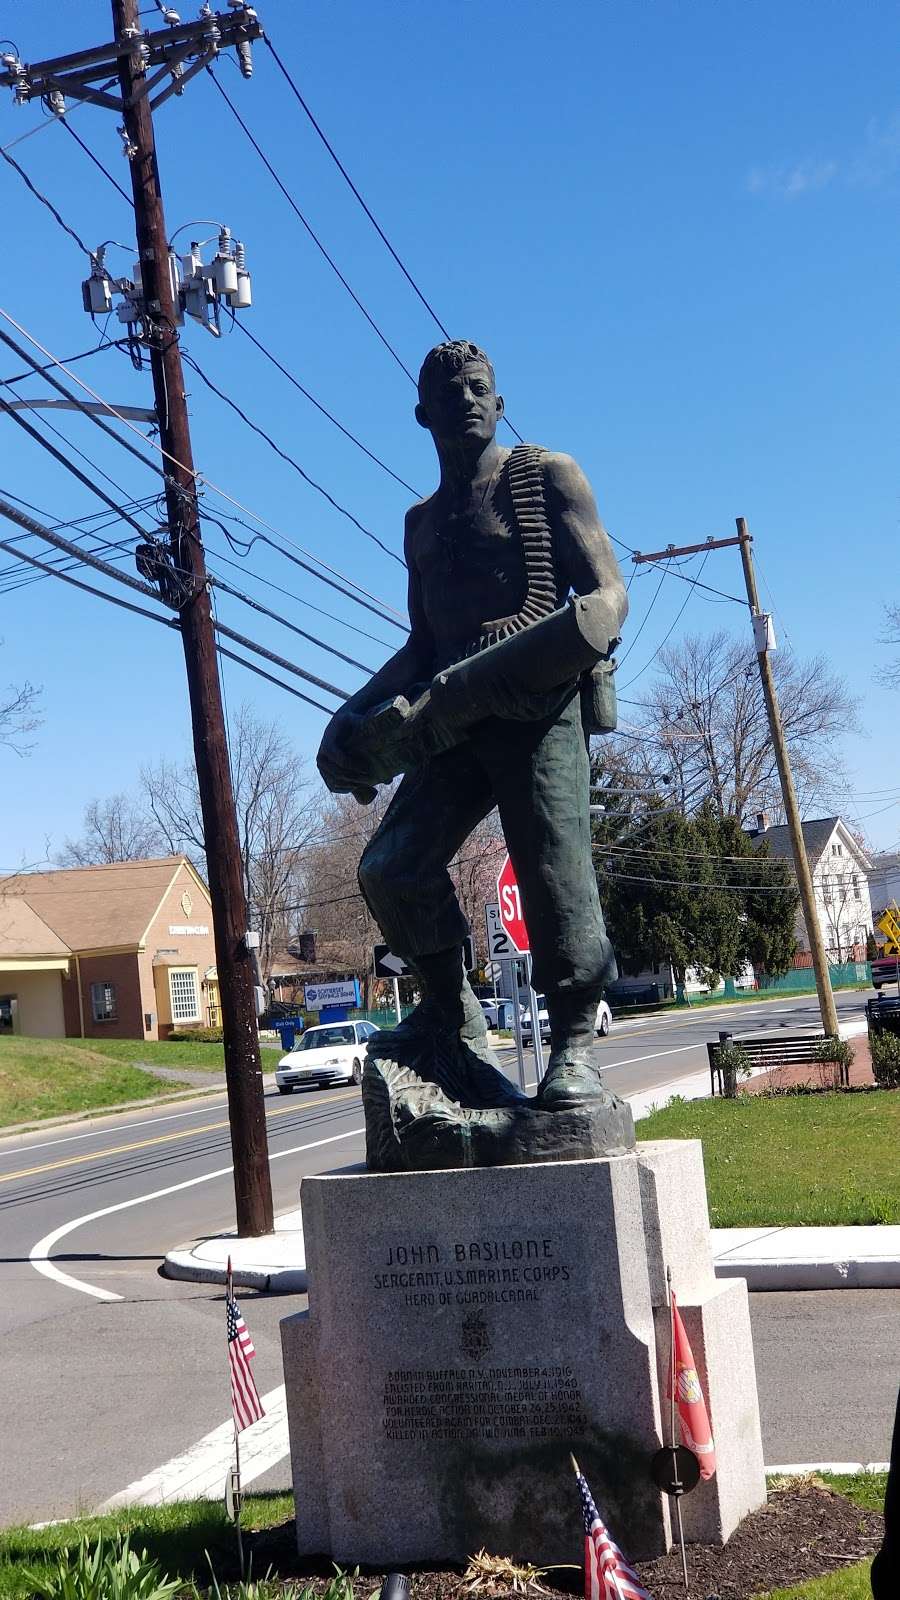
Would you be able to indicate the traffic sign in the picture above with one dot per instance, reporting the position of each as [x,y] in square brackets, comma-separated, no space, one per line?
[386,965]
[511,915]
[500,945]
[889,923]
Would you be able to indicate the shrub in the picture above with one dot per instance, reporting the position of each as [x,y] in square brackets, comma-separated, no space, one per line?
[110,1570]
[733,1063]
[196,1036]
[885,1051]
[837,1055]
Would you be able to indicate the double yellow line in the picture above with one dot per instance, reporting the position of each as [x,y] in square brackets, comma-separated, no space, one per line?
[162,1138]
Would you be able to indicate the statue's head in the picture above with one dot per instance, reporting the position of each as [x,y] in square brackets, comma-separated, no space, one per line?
[458,397]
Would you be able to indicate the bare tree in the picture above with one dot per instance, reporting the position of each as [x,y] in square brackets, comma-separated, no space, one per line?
[19,716]
[474,871]
[332,906]
[116,829]
[890,675]
[706,717]
[277,820]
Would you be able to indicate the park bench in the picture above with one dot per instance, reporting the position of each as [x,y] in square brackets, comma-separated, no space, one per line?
[883,1014]
[765,1050]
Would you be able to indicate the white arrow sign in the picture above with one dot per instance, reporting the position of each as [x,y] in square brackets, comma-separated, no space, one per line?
[394,964]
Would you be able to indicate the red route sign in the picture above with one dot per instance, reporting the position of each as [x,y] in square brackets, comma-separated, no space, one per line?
[510,901]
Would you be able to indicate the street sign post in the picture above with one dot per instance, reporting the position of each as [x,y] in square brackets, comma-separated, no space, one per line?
[502,949]
[512,921]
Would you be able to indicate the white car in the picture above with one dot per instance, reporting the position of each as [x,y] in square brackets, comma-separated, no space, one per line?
[498,1013]
[331,1053]
[602,1024]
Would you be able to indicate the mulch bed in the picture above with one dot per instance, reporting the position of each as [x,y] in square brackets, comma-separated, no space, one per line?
[811,1076]
[804,1531]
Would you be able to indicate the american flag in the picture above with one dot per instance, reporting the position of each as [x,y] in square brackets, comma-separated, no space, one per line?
[607,1575]
[245,1401]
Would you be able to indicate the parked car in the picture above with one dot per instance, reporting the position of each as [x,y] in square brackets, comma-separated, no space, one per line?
[331,1053]
[885,969]
[602,1024]
[498,1013]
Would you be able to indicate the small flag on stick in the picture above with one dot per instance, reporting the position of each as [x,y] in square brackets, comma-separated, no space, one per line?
[607,1575]
[696,1432]
[245,1401]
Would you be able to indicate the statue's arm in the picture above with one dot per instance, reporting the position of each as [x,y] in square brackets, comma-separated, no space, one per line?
[584,550]
[412,664]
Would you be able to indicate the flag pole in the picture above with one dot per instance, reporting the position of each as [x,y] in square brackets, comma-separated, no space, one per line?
[677,1486]
[238,1492]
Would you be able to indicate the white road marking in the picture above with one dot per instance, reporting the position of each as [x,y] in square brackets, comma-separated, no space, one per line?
[40,1253]
[199,1473]
[120,1126]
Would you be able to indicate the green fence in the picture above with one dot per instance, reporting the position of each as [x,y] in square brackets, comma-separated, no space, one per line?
[802,980]
[381,1019]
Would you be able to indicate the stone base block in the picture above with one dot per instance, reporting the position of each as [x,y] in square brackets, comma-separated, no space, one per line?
[466,1330]
[717,1324]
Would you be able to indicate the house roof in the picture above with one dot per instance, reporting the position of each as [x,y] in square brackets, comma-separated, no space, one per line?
[96,908]
[816,836]
[24,934]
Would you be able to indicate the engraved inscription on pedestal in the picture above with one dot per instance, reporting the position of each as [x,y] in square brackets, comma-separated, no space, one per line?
[487,1321]
[471,1404]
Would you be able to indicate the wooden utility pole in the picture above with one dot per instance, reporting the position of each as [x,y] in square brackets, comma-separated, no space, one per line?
[788,792]
[234,962]
[789,795]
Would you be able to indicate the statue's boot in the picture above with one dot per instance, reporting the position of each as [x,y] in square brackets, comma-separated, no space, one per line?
[573,1077]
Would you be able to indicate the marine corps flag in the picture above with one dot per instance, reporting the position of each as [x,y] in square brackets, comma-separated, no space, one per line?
[696,1433]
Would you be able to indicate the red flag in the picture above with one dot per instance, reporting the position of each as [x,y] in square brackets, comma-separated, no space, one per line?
[696,1433]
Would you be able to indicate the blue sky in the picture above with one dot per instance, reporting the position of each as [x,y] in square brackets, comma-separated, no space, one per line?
[674,227]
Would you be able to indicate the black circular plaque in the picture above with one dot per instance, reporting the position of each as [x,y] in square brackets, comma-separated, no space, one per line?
[675,1469]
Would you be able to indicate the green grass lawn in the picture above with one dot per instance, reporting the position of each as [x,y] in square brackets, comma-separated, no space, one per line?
[176,1535]
[49,1077]
[852,1584]
[817,1159]
[200,1056]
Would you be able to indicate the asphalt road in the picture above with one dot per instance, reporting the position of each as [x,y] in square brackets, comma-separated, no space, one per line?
[105,1390]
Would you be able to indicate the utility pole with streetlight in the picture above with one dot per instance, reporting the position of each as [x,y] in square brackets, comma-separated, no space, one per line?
[763,638]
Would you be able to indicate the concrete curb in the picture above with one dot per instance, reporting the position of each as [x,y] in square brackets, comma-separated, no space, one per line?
[866,1273]
[182,1264]
[274,1264]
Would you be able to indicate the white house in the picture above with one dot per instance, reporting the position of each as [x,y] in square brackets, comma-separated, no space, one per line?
[840,871]
[884,880]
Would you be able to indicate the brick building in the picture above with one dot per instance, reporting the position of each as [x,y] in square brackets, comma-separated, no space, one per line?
[123,951]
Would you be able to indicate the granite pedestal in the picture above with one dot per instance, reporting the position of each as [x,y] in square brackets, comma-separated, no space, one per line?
[468,1328]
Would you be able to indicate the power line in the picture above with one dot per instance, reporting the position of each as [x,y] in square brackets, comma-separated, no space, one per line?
[199,477]
[310,230]
[228,588]
[89,560]
[195,367]
[667,636]
[97,163]
[679,883]
[626,653]
[257,577]
[45,202]
[167,622]
[349,181]
[242,328]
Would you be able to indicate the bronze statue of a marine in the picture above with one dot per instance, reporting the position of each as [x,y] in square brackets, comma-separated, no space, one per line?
[516,604]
